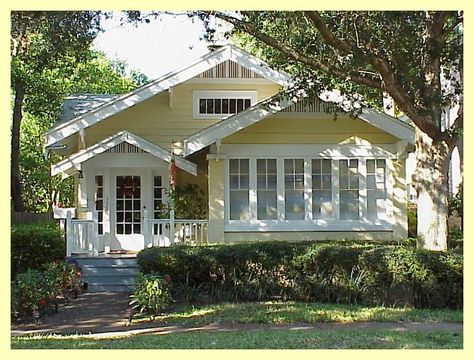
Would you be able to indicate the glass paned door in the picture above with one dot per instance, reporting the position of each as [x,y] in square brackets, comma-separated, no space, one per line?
[128,205]
[128,202]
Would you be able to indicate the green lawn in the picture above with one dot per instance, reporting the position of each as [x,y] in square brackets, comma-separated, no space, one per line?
[288,312]
[259,339]
[273,313]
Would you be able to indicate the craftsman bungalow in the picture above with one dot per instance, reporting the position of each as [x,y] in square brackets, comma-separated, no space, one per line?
[278,170]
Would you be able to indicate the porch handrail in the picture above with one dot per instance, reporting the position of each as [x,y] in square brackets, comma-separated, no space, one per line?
[87,231]
[179,230]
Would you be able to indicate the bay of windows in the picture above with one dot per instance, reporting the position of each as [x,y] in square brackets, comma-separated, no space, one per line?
[305,189]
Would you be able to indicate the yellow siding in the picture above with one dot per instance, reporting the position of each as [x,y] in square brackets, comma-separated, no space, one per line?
[216,201]
[155,121]
[308,130]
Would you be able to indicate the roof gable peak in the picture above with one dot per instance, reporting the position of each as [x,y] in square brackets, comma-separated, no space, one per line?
[163,83]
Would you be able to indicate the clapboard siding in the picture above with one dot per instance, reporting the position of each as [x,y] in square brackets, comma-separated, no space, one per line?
[307,130]
[156,121]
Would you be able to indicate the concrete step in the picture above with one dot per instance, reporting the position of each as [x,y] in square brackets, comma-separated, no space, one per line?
[90,270]
[109,288]
[110,279]
[106,261]
[108,273]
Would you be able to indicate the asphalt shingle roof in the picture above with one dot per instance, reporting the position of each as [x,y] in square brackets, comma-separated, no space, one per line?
[78,104]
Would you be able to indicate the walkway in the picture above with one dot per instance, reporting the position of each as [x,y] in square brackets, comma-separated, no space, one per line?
[105,315]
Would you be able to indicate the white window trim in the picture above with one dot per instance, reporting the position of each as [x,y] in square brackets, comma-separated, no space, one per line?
[219,94]
[334,223]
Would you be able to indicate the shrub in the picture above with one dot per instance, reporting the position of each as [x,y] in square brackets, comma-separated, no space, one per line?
[345,272]
[36,290]
[151,294]
[412,221]
[35,245]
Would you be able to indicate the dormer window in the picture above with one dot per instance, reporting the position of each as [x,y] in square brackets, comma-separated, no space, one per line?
[221,104]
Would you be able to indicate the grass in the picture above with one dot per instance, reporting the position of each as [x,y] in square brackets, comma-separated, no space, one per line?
[293,312]
[258,339]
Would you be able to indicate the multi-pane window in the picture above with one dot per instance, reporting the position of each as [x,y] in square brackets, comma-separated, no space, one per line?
[376,189]
[321,188]
[294,189]
[239,189]
[128,205]
[266,189]
[217,104]
[349,189]
[222,106]
[99,202]
[157,200]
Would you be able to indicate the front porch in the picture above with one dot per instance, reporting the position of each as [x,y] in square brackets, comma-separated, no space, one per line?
[83,237]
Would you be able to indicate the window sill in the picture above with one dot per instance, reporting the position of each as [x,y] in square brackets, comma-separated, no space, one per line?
[300,225]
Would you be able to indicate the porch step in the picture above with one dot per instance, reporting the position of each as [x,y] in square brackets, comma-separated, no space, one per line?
[108,273]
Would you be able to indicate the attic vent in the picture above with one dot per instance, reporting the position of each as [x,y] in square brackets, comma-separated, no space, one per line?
[125,148]
[229,70]
[311,107]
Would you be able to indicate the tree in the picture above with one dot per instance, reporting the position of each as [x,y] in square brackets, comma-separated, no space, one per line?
[415,57]
[41,43]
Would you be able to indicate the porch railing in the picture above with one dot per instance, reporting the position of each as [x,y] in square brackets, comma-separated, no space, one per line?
[82,235]
[167,232]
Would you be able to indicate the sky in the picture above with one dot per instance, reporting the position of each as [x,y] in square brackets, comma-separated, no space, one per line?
[164,44]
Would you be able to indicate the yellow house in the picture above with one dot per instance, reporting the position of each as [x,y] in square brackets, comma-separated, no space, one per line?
[269,168]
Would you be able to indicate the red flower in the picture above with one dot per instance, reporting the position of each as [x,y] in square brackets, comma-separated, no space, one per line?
[42,302]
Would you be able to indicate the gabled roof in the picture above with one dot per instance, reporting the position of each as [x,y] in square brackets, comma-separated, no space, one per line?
[122,102]
[271,106]
[73,162]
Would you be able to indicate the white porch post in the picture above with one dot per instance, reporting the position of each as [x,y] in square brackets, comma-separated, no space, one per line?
[172,227]
[95,233]
[69,234]
[145,228]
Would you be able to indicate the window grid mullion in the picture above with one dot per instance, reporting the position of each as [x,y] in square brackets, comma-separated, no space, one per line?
[253,189]
[308,191]
[362,170]
[335,187]
[281,189]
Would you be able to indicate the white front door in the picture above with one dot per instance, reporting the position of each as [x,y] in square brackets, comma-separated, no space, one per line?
[127,206]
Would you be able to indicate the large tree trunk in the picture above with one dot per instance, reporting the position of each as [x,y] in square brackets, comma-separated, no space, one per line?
[17,201]
[431,181]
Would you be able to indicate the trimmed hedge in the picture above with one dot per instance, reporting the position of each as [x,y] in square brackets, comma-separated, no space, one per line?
[343,272]
[35,245]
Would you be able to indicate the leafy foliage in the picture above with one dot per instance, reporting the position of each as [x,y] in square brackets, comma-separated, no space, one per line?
[37,290]
[187,201]
[350,273]
[35,245]
[456,202]
[151,294]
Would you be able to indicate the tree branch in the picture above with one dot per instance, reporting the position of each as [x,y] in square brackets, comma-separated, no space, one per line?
[326,34]
[390,83]
[298,56]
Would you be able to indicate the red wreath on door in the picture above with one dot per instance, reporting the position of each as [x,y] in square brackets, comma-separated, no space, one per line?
[130,189]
